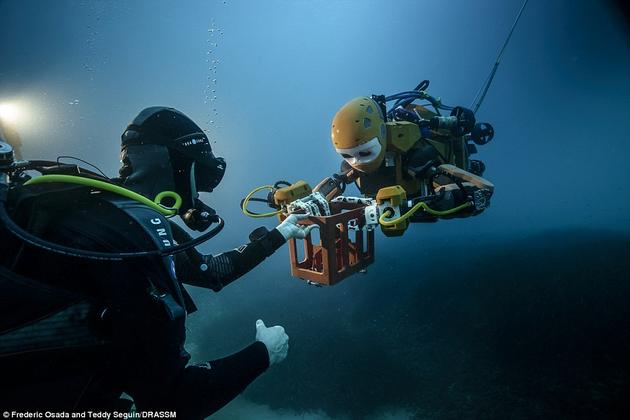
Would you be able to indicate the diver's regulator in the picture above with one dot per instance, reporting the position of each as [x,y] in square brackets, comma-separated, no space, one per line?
[7,157]
[9,166]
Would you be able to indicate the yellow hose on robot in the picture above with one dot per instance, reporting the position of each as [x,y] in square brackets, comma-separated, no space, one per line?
[414,209]
[249,196]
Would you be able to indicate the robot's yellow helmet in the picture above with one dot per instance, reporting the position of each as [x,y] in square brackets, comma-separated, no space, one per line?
[359,135]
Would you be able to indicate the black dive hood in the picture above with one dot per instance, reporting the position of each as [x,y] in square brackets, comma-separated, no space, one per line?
[164,150]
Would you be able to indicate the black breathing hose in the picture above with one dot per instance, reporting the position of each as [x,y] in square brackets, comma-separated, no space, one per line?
[33,240]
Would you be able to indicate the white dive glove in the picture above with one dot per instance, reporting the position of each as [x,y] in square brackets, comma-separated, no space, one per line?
[289,228]
[275,339]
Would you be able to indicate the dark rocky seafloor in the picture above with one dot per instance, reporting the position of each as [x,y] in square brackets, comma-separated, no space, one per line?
[531,326]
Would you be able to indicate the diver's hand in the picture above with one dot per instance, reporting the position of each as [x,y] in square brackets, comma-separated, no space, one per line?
[275,339]
[290,228]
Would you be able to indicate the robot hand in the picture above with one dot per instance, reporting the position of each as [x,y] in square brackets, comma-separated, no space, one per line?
[477,188]
[275,339]
[290,228]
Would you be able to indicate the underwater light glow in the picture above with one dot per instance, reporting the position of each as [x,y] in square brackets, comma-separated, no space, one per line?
[10,113]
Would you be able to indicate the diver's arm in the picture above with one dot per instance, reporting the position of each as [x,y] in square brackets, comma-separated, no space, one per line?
[203,389]
[197,391]
[216,271]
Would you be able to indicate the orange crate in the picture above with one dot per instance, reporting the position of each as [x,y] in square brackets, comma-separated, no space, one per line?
[341,251]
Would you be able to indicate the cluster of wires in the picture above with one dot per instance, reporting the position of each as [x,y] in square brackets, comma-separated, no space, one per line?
[268,200]
[403,99]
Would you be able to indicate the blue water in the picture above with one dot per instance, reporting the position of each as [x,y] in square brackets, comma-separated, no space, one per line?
[517,313]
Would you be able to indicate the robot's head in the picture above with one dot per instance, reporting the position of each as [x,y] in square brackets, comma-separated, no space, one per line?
[164,149]
[359,135]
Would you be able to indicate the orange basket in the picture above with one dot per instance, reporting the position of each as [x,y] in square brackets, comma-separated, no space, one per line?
[345,246]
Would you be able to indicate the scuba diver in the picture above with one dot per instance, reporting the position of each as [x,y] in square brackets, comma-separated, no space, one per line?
[92,273]
[423,152]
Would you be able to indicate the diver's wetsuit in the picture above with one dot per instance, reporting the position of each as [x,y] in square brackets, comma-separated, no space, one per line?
[138,311]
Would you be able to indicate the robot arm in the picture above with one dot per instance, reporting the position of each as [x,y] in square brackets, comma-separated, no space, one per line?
[335,185]
[456,193]
[454,187]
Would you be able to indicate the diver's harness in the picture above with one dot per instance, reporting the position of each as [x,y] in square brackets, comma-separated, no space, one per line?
[13,173]
[72,314]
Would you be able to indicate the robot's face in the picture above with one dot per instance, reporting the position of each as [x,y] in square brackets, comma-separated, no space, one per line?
[365,157]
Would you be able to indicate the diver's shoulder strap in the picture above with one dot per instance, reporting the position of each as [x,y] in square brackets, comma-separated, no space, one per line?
[159,230]
[153,223]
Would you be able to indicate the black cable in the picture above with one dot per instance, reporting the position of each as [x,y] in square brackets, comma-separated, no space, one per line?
[428,198]
[41,165]
[33,240]
[83,161]
[279,183]
[259,200]
[424,85]
[481,94]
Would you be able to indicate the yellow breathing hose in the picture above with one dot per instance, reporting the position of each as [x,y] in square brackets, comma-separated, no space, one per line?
[105,186]
[414,209]
[249,196]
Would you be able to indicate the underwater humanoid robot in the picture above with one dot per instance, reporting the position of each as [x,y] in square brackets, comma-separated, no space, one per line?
[410,164]
[416,159]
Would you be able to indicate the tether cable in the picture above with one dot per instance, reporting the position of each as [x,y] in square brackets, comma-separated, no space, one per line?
[481,94]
